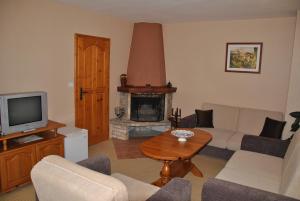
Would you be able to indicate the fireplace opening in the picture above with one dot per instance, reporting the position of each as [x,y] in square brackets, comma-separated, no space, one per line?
[147,107]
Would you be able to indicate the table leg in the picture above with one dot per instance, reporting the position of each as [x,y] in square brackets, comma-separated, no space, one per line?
[165,175]
[177,168]
[196,171]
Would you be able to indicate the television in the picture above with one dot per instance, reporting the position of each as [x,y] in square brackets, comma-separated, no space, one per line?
[23,111]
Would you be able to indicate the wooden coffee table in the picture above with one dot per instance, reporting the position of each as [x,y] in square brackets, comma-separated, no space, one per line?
[176,156]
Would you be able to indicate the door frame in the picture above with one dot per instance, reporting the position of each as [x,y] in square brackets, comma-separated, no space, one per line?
[76,87]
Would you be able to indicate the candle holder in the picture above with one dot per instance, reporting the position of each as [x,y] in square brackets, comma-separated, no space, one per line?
[175,117]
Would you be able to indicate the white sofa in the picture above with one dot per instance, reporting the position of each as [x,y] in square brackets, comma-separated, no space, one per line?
[232,123]
[253,174]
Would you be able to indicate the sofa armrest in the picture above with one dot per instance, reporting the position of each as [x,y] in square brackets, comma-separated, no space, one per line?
[177,189]
[220,190]
[100,163]
[264,145]
[188,122]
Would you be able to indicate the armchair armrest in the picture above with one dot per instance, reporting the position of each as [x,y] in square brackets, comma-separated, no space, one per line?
[220,190]
[177,189]
[264,145]
[100,163]
[188,122]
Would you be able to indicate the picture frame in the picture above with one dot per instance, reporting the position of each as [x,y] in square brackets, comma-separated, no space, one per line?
[243,57]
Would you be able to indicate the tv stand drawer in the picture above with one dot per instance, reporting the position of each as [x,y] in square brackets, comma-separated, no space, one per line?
[50,147]
[16,166]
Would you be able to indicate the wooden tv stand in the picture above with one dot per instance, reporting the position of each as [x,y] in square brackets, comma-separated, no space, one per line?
[17,159]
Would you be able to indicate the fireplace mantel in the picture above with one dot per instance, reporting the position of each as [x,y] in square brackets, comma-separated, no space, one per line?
[147,89]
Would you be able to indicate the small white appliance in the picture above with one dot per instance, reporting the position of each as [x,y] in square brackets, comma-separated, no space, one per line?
[76,143]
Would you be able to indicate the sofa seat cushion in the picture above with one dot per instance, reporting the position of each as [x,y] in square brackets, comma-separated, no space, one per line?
[256,180]
[256,164]
[137,190]
[220,136]
[255,170]
[234,143]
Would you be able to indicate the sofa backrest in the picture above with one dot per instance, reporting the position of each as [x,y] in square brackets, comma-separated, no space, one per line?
[224,117]
[243,120]
[55,178]
[290,180]
[251,121]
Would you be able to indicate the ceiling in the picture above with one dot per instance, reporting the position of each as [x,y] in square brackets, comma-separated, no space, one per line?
[165,11]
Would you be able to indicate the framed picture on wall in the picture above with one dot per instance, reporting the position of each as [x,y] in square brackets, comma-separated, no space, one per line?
[243,57]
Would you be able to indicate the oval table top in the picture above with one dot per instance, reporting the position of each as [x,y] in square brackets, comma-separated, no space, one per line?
[166,146]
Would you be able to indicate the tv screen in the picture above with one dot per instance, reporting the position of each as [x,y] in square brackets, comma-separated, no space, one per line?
[24,110]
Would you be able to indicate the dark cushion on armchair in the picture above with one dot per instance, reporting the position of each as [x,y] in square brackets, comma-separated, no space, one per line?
[99,163]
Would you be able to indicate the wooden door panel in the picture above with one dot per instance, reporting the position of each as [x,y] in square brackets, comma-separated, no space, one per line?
[92,77]
[98,120]
[89,65]
[102,104]
[93,115]
[11,173]
[99,77]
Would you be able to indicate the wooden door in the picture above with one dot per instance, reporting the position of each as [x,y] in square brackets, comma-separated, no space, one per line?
[16,166]
[92,86]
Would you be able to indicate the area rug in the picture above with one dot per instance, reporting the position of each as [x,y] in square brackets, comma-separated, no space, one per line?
[128,149]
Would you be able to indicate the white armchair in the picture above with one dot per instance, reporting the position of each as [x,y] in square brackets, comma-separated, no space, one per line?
[54,178]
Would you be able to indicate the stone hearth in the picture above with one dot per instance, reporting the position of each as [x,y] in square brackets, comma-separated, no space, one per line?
[124,129]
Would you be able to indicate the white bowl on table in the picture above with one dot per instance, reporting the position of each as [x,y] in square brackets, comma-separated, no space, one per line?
[182,135]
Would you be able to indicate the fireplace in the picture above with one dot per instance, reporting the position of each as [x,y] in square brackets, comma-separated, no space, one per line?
[144,94]
[146,114]
[147,107]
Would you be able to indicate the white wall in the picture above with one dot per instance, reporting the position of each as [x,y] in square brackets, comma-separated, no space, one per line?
[293,102]
[37,49]
[195,63]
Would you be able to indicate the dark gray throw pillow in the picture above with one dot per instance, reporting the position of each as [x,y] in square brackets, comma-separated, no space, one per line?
[272,128]
[204,118]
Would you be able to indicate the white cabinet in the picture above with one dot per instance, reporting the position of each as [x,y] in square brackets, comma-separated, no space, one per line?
[76,143]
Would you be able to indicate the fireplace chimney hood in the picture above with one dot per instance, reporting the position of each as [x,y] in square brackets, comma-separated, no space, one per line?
[146,64]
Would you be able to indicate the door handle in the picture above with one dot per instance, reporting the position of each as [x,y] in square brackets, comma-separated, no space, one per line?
[81,93]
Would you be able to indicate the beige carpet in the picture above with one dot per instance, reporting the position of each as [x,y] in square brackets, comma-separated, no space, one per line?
[144,169]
